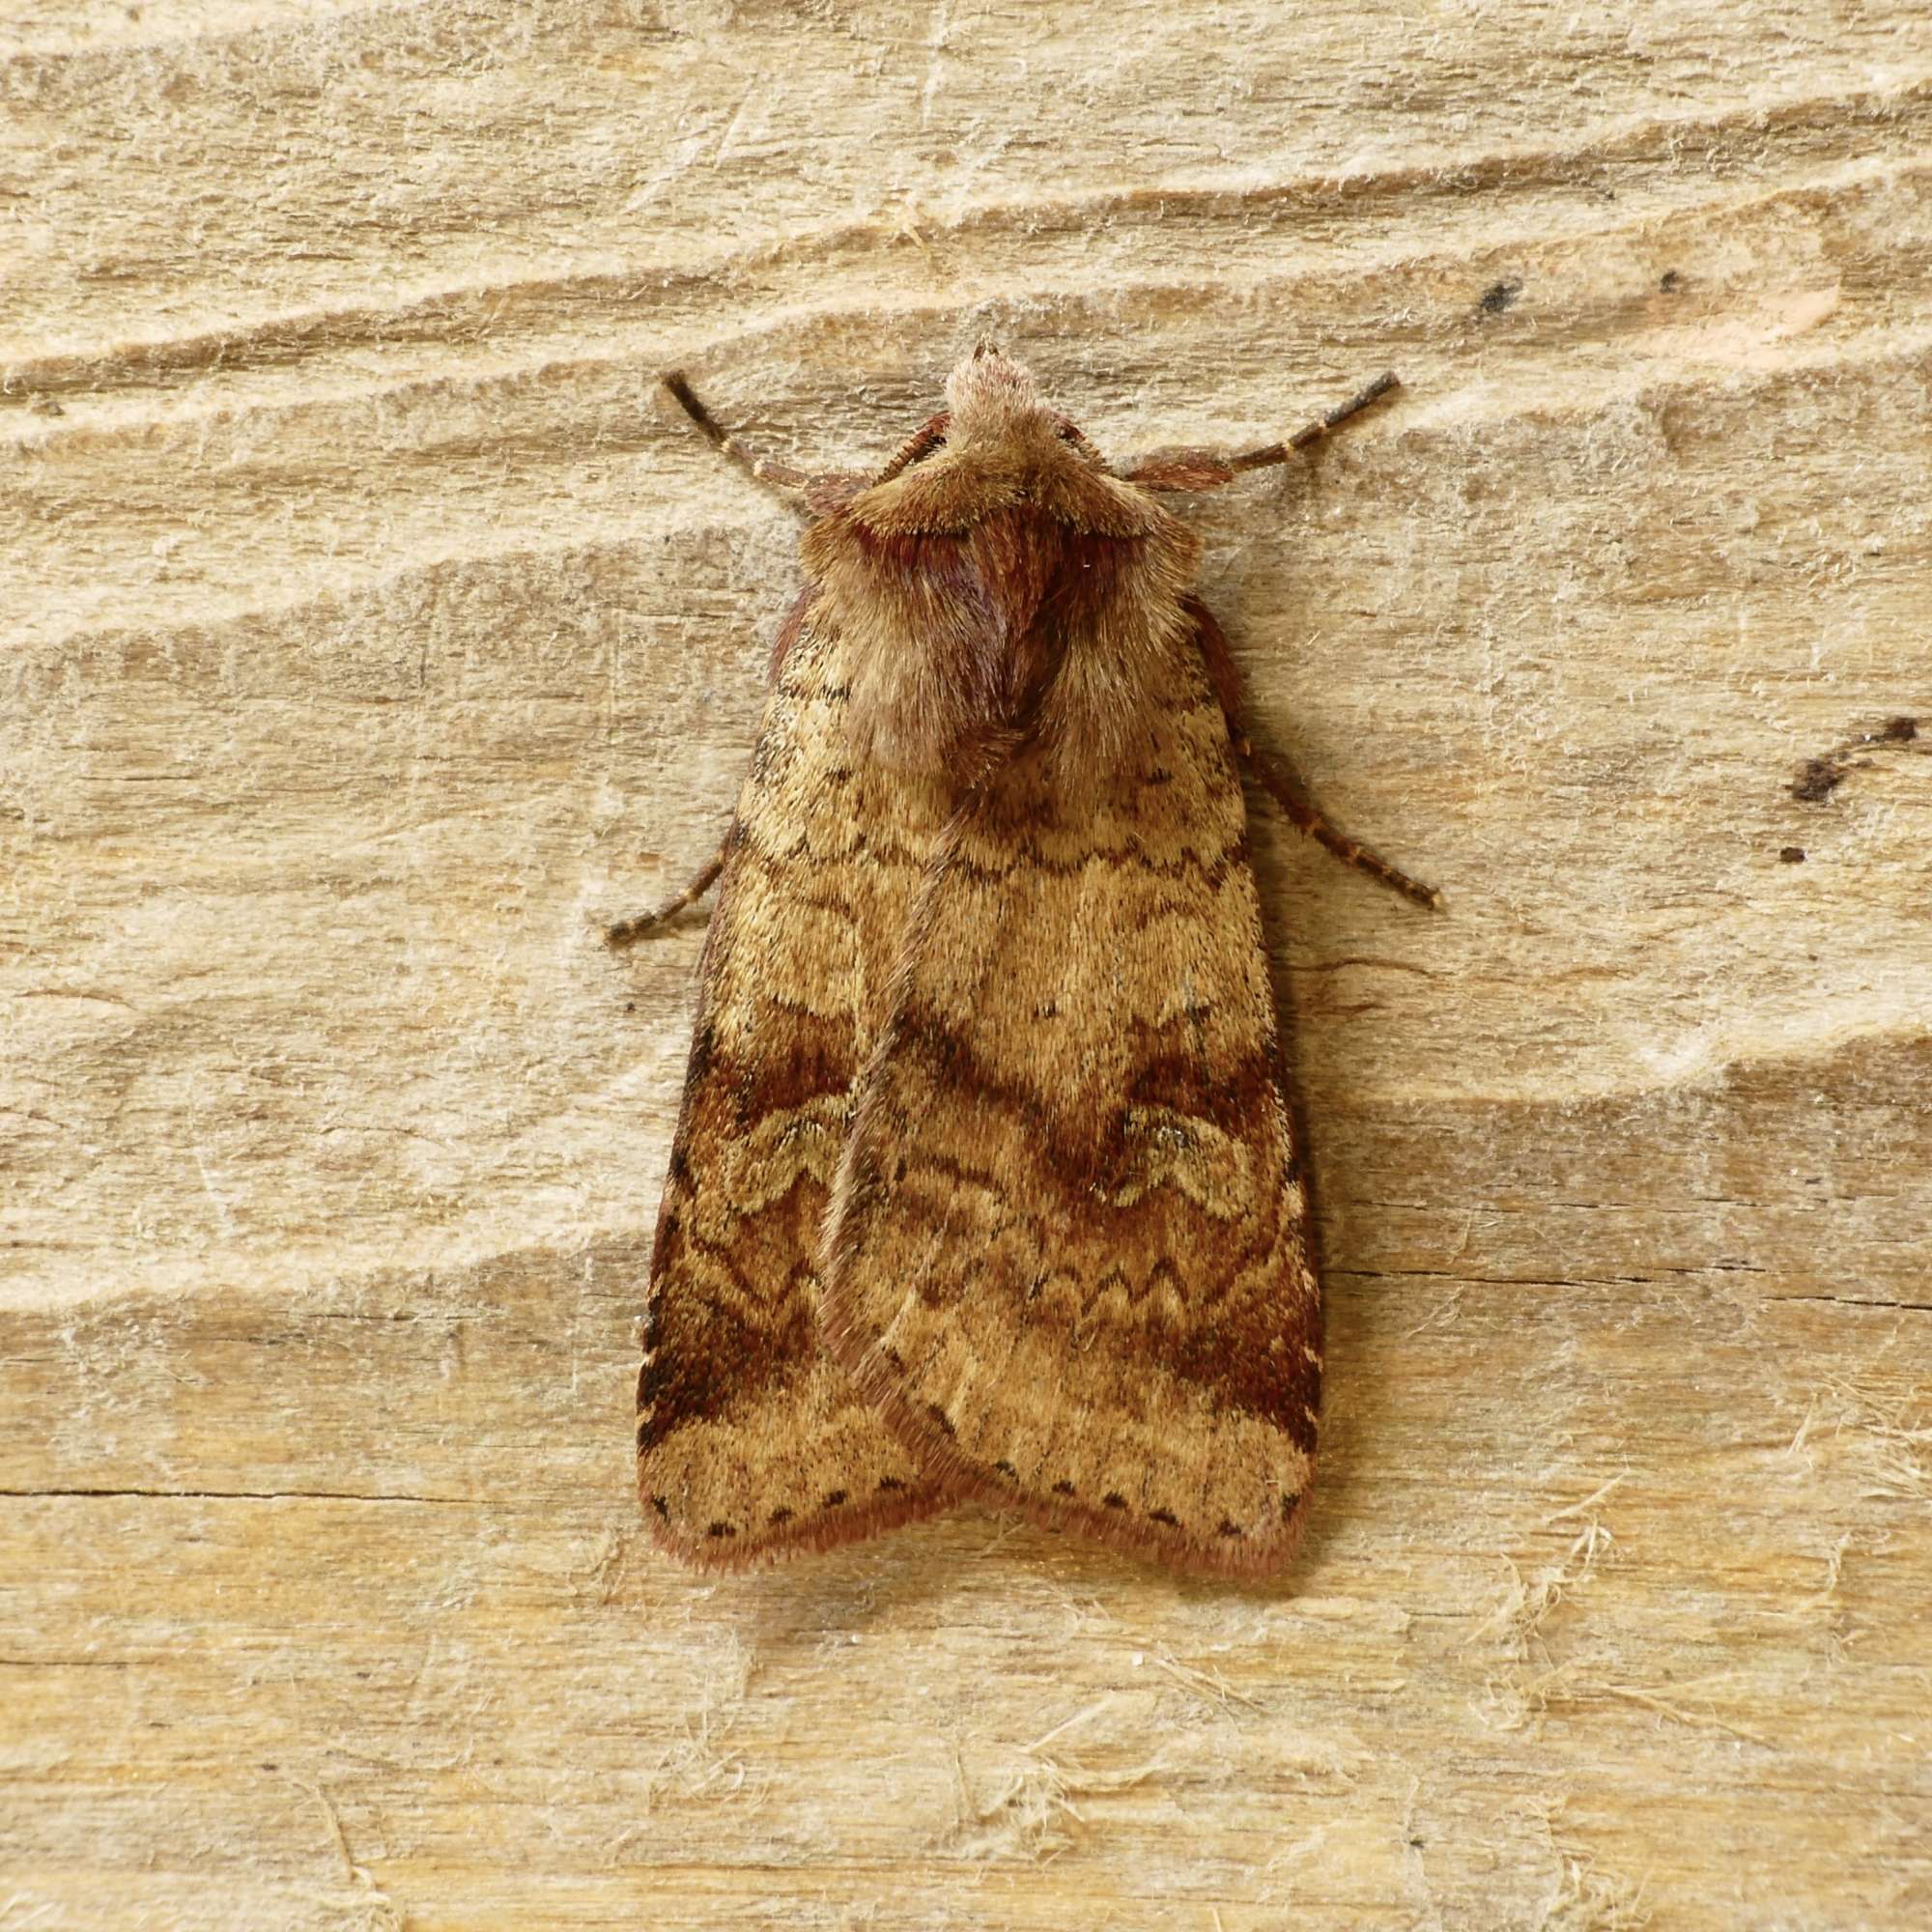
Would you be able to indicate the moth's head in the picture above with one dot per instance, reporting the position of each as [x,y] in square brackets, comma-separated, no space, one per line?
[996,575]
[989,396]
[996,445]
[994,414]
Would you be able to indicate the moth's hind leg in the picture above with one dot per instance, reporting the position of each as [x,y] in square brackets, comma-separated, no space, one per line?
[1208,469]
[1226,677]
[628,931]
[1308,818]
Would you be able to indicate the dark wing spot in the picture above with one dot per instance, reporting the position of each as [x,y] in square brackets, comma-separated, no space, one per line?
[703,1050]
[834,1497]
[1008,1470]
[1062,1488]
[1289,1501]
[1115,1500]
[662,1507]
[780,1515]
[891,1483]
[723,1529]
[941,1420]
[1165,1516]
[1230,1528]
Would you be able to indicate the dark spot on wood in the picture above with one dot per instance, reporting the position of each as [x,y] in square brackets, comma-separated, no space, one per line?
[723,1529]
[630,1005]
[662,1507]
[1230,1528]
[1063,1488]
[1115,1500]
[1818,780]
[1792,855]
[1899,730]
[780,1515]
[834,1497]
[941,1420]
[1167,1517]
[1499,295]
[1670,281]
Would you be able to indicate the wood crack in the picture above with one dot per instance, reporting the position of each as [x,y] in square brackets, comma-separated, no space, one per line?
[248,1495]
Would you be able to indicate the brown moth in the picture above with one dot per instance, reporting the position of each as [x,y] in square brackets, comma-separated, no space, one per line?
[984,1182]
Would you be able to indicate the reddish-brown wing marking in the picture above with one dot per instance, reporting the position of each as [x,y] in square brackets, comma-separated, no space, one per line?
[1070,1256]
[750,1441]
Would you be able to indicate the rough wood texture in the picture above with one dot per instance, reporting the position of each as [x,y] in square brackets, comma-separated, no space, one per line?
[370,627]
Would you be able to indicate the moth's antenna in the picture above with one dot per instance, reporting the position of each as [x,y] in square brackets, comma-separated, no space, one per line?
[1208,469]
[1280,452]
[774,476]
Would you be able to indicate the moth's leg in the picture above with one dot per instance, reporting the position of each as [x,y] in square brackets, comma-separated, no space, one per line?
[628,931]
[784,481]
[1226,678]
[1306,817]
[1208,469]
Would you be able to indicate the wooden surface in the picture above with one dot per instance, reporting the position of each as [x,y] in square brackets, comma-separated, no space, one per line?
[371,628]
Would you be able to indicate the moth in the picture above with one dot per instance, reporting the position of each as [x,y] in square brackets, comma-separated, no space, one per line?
[984,1183]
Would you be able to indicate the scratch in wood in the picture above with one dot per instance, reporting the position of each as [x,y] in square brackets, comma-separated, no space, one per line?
[379,1900]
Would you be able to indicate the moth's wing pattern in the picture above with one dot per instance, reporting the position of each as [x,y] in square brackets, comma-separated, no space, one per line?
[751,1438]
[1070,1256]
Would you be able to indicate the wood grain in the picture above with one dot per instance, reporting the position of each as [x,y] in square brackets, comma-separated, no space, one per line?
[370,630]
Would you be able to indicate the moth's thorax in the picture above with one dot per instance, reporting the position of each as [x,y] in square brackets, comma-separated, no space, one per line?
[1000,578]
